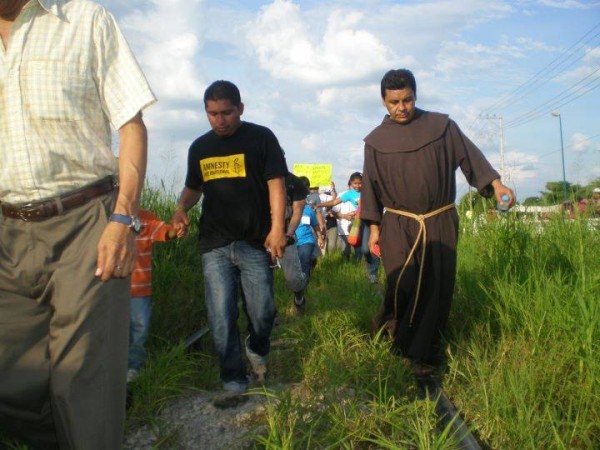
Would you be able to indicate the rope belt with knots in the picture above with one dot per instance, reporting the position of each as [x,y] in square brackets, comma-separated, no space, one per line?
[421,238]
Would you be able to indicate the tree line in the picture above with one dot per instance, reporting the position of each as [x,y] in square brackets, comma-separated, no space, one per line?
[552,195]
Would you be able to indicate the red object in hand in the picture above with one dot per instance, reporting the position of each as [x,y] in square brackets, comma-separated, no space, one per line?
[376,250]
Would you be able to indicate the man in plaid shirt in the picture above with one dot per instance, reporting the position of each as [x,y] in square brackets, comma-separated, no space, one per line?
[67,243]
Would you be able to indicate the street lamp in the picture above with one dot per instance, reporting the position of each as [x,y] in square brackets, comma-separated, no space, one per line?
[562,152]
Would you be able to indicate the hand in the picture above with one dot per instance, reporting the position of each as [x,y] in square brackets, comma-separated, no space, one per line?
[116,252]
[275,243]
[374,240]
[180,222]
[321,244]
[180,230]
[500,190]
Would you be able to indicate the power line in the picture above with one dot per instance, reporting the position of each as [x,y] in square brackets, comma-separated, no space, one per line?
[564,97]
[547,70]
[569,146]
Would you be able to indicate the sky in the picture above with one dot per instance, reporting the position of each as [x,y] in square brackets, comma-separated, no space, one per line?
[310,71]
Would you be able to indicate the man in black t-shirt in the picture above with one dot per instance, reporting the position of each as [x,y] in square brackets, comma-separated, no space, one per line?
[239,167]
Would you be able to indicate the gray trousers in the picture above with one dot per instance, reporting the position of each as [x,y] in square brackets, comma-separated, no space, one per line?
[295,280]
[63,333]
[334,242]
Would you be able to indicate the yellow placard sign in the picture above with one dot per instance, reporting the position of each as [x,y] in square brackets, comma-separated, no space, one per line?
[318,174]
[232,166]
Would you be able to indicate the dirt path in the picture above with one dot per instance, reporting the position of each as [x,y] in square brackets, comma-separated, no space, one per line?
[192,422]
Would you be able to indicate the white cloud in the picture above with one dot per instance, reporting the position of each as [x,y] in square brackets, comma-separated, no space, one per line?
[566,4]
[167,40]
[521,166]
[288,49]
[579,143]
[312,142]
[310,71]
[592,55]
[520,169]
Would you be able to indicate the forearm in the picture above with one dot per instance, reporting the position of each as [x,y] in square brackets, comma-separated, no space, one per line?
[374,227]
[116,247]
[276,241]
[133,148]
[321,222]
[277,204]
[331,203]
[297,209]
[188,198]
[496,183]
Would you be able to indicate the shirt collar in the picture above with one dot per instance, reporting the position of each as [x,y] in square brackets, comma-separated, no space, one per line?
[52,6]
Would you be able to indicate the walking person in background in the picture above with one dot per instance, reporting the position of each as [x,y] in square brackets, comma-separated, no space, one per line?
[314,200]
[345,207]
[295,279]
[67,236]
[331,236]
[408,200]
[309,235]
[595,202]
[239,167]
[153,230]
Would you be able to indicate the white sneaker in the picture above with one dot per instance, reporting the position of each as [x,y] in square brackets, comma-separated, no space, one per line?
[132,374]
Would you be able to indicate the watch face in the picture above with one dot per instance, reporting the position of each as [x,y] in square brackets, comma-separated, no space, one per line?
[136,224]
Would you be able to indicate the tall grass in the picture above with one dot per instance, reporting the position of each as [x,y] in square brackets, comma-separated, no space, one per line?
[522,350]
[525,369]
[522,347]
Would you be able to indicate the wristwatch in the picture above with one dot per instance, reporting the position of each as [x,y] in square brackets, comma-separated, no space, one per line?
[133,222]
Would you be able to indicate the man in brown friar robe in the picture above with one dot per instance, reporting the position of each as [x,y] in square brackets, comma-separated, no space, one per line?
[409,188]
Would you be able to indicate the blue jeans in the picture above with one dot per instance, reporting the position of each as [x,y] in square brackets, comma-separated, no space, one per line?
[373,262]
[224,268]
[140,310]
[306,255]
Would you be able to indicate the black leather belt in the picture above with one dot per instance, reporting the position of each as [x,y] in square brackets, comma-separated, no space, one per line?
[44,209]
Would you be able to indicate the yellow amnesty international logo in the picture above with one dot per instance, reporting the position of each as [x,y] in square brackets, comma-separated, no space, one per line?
[232,166]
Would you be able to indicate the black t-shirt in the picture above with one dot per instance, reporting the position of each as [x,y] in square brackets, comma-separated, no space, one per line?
[233,172]
[295,190]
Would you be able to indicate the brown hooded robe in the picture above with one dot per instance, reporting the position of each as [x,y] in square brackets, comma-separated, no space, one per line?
[411,167]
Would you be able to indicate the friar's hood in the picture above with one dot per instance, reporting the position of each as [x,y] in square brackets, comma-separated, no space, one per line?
[393,137]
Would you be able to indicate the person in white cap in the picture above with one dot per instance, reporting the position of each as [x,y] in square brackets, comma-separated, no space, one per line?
[596,201]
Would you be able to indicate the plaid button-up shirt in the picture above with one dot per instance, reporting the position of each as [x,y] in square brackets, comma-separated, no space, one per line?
[66,76]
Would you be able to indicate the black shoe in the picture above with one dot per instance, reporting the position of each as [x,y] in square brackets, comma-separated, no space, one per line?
[299,306]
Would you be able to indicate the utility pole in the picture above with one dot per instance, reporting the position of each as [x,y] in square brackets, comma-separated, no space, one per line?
[502,171]
[562,154]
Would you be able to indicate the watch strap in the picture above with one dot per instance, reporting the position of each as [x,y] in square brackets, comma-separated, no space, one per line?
[121,218]
[131,221]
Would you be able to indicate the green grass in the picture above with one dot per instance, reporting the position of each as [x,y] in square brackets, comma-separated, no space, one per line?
[525,370]
[522,347]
